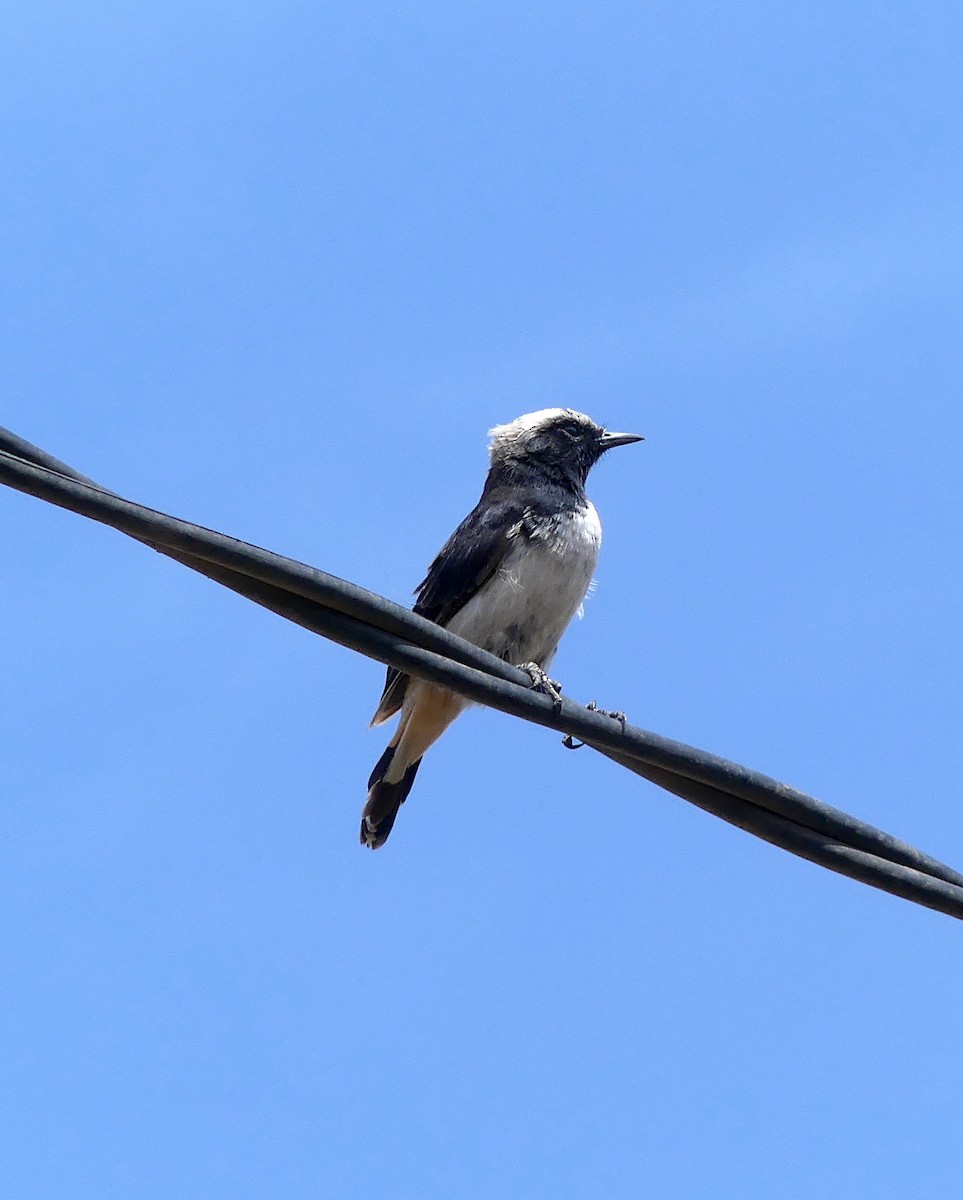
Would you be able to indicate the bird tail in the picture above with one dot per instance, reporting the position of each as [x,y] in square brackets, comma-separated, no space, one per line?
[385,798]
[426,714]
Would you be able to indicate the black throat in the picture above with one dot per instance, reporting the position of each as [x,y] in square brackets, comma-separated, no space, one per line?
[557,487]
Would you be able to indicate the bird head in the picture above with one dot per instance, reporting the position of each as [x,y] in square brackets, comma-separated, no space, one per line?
[558,441]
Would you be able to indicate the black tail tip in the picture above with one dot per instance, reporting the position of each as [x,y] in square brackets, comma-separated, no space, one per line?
[384,800]
[374,833]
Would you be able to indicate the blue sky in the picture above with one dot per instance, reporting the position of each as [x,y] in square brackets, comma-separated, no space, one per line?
[277,269]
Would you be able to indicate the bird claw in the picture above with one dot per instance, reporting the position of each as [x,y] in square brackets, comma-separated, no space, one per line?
[607,712]
[570,743]
[541,683]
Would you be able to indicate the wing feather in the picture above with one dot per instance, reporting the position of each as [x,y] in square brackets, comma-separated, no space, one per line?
[469,558]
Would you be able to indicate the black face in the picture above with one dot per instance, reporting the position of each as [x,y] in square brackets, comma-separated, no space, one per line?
[568,445]
[562,446]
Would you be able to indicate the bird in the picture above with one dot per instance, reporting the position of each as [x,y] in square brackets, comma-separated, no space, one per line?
[510,579]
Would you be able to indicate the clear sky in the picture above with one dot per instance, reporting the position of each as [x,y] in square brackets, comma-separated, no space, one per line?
[277,268]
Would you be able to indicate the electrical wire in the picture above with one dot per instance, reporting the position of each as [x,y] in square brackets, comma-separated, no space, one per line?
[374,626]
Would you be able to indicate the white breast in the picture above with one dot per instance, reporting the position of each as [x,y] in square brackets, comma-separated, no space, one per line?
[523,610]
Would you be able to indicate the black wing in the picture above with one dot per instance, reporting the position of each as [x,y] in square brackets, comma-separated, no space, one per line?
[469,558]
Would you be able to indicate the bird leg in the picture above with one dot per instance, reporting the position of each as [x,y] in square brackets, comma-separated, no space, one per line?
[542,683]
[571,744]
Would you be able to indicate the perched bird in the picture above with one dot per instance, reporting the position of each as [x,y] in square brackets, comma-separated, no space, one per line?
[509,579]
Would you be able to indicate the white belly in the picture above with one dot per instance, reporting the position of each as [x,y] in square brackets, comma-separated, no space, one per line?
[522,611]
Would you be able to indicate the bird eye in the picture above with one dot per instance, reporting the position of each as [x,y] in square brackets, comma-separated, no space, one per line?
[570,427]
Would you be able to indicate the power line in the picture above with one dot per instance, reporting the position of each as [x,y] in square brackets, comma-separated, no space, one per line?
[376,627]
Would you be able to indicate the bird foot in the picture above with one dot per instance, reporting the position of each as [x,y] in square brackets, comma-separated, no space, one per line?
[607,712]
[571,744]
[542,683]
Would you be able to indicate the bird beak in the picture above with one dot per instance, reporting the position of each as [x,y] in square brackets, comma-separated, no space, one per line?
[608,441]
